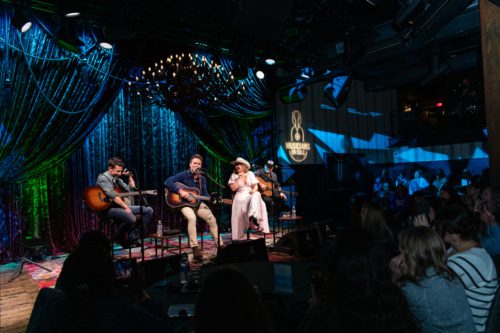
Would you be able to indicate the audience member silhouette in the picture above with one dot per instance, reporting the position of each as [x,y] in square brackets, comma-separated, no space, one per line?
[229,303]
[87,302]
[360,295]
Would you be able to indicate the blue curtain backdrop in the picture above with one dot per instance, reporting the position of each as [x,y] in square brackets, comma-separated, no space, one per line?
[63,115]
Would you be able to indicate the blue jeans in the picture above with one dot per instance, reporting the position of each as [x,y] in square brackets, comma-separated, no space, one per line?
[126,222]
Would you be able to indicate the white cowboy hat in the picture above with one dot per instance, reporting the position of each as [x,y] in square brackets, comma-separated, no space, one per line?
[240,160]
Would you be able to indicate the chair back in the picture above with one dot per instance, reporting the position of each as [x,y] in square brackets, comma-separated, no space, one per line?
[493,322]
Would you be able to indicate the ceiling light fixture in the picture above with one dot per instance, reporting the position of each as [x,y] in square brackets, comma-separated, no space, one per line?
[187,79]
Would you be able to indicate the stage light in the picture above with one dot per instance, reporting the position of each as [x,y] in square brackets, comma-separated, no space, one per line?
[72,14]
[20,20]
[106,45]
[260,74]
[337,89]
[439,104]
[307,73]
[270,61]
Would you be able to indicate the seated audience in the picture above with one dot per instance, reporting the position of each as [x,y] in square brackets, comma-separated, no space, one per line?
[378,185]
[359,293]
[87,302]
[439,181]
[228,302]
[373,220]
[473,265]
[490,215]
[417,183]
[434,293]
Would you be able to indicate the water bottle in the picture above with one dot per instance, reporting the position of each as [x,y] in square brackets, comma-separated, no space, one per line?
[294,212]
[184,268]
[159,229]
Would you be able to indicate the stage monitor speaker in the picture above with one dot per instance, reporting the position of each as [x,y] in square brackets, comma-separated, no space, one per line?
[244,251]
[302,243]
[157,269]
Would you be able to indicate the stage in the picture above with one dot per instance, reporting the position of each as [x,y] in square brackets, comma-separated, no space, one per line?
[18,296]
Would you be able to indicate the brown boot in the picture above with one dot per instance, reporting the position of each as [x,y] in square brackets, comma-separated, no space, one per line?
[197,254]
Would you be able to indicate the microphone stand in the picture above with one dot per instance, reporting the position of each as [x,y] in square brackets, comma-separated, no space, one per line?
[21,248]
[141,213]
[203,171]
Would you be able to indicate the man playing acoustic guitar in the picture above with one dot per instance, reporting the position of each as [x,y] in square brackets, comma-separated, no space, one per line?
[192,178]
[123,214]
[270,187]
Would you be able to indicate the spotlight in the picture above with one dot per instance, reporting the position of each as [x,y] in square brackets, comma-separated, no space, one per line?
[337,89]
[69,8]
[260,74]
[20,20]
[106,45]
[270,61]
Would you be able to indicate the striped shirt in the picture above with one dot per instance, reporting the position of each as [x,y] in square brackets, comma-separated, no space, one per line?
[477,272]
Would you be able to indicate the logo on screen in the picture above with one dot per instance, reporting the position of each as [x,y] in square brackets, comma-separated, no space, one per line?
[297,147]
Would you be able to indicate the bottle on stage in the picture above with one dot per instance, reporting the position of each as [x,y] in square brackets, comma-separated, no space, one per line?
[184,268]
[159,229]
[294,212]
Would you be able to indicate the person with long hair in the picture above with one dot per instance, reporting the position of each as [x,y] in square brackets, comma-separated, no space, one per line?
[434,293]
[472,263]
[249,210]
[359,294]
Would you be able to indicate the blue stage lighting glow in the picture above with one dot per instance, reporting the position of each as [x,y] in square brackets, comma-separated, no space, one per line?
[479,153]
[334,141]
[377,141]
[485,131]
[418,155]
[327,107]
[282,154]
[321,151]
[365,114]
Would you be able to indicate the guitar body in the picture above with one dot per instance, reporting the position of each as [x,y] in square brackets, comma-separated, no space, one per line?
[97,200]
[268,192]
[174,200]
[268,185]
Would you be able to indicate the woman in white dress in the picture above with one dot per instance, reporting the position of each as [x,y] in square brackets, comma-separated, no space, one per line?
[249,210]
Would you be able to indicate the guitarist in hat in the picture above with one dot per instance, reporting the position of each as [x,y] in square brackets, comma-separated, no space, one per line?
[194,179]
[267,175]
[123,214]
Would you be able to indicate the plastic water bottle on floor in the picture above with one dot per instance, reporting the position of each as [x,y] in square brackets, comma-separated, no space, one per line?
[159,229]
[294,212]
[184,268]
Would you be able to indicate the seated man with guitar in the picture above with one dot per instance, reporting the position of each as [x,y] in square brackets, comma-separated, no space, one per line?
[191,206]
[124,215]
[270,187]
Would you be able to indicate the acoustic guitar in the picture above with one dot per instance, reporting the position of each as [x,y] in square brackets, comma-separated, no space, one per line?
[175,200]
[268,186]
[98,201]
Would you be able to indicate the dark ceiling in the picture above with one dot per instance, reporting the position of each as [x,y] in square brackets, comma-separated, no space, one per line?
[385,43]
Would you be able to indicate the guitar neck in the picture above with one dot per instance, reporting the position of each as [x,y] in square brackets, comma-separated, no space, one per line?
[129,194]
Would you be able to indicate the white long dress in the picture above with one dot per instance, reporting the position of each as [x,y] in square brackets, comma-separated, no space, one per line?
[246,205]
